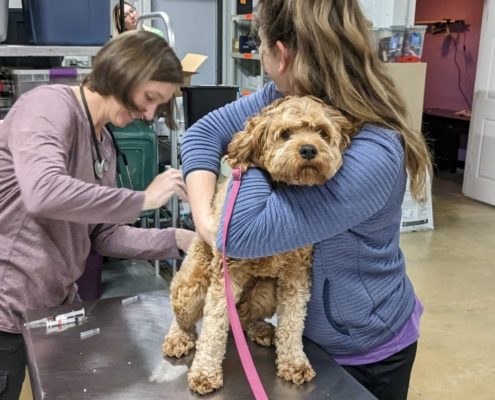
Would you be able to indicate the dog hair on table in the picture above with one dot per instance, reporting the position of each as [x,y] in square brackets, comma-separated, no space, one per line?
[297,141]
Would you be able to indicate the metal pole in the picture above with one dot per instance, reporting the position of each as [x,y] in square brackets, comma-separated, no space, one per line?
[122,16]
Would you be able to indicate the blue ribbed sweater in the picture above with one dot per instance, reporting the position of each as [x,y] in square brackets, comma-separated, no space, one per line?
[361,295]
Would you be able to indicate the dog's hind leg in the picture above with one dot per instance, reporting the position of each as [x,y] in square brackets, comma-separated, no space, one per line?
[187,294]
[256,304]
[292,294]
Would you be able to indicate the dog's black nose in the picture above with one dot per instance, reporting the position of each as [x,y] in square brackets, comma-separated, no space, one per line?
[308,151]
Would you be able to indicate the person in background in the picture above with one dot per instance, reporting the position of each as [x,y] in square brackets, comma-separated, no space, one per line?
[130,20]
[363,310]
[58,180]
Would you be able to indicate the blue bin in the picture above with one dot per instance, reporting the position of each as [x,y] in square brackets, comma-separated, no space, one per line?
[68,22]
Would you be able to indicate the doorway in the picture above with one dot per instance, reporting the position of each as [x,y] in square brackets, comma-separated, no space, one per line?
[451,49]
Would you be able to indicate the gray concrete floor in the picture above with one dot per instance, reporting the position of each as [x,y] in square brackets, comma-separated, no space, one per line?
[453,271]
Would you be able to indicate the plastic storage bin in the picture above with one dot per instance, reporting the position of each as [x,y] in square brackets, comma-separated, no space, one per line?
[412,45]
[400,43]
[200,100]
[68,22]
[389,42]
[18,33]
[27,79]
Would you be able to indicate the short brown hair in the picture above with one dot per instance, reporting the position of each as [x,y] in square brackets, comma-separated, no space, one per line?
[130,59]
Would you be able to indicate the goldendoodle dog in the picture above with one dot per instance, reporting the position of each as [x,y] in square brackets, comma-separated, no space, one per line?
[297,141]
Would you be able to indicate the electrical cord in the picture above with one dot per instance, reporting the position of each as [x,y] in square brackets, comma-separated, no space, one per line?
[459,86]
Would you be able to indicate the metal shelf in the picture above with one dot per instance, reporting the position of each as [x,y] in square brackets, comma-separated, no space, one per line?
[246,56]
[243,69]
[242,17]
[47,51]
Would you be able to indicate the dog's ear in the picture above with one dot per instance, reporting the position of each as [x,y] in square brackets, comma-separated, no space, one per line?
[245,148]
[343,129]
[240,150]
[339,128]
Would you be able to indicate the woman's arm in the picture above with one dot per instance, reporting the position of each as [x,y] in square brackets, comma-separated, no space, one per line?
[201,189]
[269,220]
[44,136]
[206,142]
[43,141]
[150,244]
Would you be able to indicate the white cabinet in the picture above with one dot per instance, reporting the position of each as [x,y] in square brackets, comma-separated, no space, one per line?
[410,79]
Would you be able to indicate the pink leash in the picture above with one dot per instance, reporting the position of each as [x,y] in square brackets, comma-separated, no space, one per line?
[235,323]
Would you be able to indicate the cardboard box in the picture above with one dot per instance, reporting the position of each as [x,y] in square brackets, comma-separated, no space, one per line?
[190,65]
[235,45]
[416,217]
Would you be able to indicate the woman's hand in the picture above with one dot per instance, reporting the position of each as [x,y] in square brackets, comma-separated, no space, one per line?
[184,238]
[163,187]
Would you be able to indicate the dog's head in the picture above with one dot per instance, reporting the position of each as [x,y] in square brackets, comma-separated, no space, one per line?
[297,140]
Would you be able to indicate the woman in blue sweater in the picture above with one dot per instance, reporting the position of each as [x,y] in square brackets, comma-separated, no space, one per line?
[363,310]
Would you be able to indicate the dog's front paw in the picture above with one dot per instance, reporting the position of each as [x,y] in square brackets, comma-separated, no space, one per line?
[178,345]
[297,372]
[261,332]
[204,382]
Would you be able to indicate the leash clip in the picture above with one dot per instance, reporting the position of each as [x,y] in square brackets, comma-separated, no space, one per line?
[237,173]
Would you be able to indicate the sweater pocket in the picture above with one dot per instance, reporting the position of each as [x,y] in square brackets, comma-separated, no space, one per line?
[326,304]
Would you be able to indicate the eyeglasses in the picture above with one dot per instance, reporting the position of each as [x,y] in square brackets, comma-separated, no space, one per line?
[130,12]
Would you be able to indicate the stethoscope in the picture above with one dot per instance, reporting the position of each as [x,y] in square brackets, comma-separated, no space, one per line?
[101,165]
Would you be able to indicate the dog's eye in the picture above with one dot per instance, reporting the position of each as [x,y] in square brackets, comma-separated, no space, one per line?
[323,134]
[285,135]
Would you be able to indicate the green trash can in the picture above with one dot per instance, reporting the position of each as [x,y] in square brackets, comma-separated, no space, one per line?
[138,144]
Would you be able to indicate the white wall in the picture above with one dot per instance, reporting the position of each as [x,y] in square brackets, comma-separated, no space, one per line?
[195,25]
[15,3]
[385,13]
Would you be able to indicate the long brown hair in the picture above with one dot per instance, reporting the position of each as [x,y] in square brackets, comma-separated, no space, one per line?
[131,59]
[333,59]
[118,28]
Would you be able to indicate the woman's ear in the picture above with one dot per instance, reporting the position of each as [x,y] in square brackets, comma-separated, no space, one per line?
[284,56]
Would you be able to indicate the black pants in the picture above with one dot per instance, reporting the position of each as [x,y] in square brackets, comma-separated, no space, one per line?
[12,365]
[387,379]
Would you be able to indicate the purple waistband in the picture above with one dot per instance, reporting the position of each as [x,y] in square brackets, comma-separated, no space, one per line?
[408,334]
